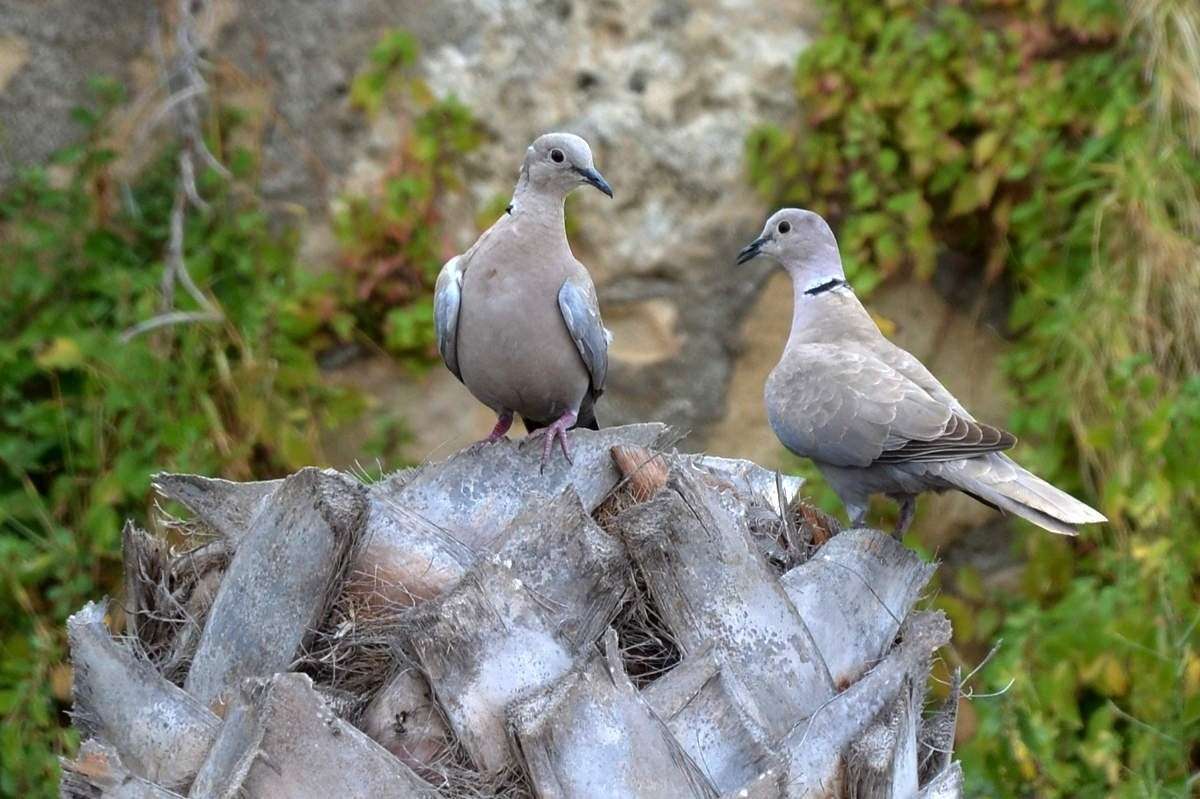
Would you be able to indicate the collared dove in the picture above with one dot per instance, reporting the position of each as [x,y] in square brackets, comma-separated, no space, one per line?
[516,315]
[870,415]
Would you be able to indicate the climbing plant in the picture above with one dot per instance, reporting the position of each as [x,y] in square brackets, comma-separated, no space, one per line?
[391,237]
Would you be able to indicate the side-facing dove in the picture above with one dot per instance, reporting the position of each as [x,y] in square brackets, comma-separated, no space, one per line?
[516,315]
[869,414]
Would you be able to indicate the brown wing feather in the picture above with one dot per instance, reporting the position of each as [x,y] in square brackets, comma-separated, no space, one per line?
[963,438]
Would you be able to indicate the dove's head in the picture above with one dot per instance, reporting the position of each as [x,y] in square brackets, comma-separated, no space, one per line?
[801,242]
[559,163]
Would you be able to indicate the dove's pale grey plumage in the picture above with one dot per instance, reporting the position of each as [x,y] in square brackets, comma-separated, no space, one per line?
[516,315]
[870,415]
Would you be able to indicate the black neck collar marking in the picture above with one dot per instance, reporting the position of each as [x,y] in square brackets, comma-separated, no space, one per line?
[828,285]
[508,209]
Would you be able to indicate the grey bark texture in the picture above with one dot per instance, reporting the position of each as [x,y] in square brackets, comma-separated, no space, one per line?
[479,491]
[97,772]
[483,645]
[404,558]
[405,719]
[226,507]
[281,740]
[816,748]
[279,578]
[640,623]
[159,730]
[701,702]
[592,734]
[854,593]
[712,585]
[576,570]
[946,785]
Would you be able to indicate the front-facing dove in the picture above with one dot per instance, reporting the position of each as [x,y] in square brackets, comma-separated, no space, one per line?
[869,414]
[516,315]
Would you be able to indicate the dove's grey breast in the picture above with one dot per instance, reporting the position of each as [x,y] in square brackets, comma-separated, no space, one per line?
[514,350]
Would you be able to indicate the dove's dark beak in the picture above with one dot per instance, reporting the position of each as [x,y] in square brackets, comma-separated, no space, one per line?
[751,250]
[594,178]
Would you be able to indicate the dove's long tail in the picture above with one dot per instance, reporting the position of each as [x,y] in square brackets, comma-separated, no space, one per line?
[998,480]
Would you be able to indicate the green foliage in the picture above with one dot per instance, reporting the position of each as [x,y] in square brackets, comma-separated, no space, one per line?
[391,247]
[386,70]
[1021,135]
[86,419]
[1106,691]
[933,128]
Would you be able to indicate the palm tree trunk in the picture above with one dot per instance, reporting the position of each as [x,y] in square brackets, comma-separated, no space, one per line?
[639,623]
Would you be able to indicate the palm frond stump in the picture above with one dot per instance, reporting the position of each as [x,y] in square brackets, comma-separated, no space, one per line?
[639,623]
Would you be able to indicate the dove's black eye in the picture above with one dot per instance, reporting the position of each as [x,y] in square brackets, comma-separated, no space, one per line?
[784,226]
[556,155]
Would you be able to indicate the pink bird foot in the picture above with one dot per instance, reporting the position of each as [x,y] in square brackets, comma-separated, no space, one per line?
[556,430]
[503,422]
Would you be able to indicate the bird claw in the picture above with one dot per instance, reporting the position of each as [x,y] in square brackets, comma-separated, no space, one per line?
[503,422]
[555,431]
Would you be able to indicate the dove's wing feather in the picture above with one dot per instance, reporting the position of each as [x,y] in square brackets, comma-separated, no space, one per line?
[581,311]
[447,299]
[907,364]
[845,407]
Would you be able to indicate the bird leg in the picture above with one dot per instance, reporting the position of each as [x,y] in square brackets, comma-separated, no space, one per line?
[556,430]
[504,422]
[908,509]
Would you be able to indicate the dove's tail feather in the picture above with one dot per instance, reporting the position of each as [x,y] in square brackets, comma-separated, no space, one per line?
[586,420]
[587,417]
[997,480]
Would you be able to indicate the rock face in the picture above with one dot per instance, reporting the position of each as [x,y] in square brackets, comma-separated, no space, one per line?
[48,50]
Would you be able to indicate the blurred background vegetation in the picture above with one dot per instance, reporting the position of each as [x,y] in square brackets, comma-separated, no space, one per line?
[89,414]
[1052,146]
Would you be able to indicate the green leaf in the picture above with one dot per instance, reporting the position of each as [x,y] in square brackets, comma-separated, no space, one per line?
[62,353]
